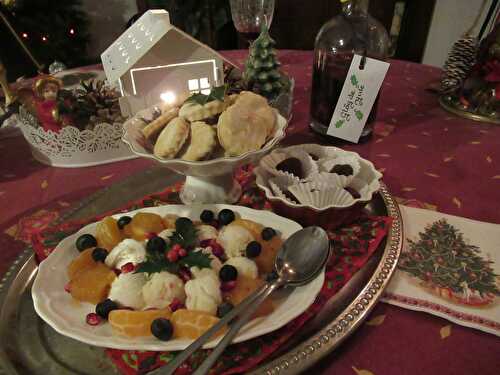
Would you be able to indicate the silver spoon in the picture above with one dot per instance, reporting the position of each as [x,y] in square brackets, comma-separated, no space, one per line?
[299,261]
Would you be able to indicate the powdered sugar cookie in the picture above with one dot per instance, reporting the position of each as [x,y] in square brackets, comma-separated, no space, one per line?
[172,138]
[202,142]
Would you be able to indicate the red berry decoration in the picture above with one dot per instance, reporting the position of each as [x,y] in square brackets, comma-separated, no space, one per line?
[176,304]
[228,286]
[126,268]
[172,256]
[93,319]
[182,252]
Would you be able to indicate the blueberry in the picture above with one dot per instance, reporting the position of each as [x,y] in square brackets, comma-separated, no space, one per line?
[156,245]
[224,308]
[228,273]
[105,307]
[226,216]
[182,222]
[253,249]
[268,233]
[99,254]
[162,329]
[124,220]
[85,241]
[207,216]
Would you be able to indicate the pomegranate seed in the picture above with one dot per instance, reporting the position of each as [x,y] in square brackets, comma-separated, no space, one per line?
[126,268]
[217,249]
[182,252]
[67,288]
[151,235]
[93,319]
[172,256]
[228,285]
[205,243]
[176,304]
[185,274]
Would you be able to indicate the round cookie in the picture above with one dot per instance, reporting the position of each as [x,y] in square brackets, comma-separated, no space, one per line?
[203,141]
[171,138]
[246,125]
[193,111]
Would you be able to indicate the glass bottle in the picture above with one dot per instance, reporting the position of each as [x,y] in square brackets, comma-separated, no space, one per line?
[354,31]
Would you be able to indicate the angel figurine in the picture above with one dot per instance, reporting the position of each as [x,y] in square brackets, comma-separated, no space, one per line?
[46,90]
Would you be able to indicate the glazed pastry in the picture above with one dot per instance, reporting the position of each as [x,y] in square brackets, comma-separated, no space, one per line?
[193,111]
[154,128]
[202,143]
[172,138]
[246,125]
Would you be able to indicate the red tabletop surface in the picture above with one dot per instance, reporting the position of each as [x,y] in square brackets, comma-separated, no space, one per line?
[426,154]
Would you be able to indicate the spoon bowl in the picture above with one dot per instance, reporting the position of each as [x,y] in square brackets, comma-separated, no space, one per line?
[302,256]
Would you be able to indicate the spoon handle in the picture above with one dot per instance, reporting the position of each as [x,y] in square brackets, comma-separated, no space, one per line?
[198,343]
[235,327]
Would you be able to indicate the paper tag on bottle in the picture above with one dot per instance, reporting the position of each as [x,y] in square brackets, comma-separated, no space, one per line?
[356,100]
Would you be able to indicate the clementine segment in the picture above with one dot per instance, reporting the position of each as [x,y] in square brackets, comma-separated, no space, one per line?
[191,324]
[108,234]
[265,261]
[92,284]
[169,221]
[81,263]
[144,223]
[244,287]
[135,323]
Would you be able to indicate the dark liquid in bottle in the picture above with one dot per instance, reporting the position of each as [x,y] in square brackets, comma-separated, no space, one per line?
[329,75]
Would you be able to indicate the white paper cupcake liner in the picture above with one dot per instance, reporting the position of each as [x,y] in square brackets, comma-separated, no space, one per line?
[363,189]
[329,179]
[280,184]
[270,162]
[320,196]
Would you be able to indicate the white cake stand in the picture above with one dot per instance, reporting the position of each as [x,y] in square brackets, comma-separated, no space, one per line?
[210,181]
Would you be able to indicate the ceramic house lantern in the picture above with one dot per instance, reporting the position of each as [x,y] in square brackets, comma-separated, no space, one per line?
[153,61]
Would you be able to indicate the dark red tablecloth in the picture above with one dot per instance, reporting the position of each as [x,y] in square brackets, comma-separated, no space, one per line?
[426,154]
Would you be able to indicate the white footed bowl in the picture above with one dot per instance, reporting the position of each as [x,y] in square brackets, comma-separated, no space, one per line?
[208,181]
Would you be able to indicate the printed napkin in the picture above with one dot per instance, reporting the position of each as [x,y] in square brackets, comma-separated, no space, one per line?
[449,267]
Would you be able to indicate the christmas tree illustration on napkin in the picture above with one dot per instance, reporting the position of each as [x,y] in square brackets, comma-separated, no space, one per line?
[449,266]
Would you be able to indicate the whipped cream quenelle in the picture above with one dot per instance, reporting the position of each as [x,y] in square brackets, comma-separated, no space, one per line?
[245,266]
[203,292]
[126,290]
[160,290]
[234,239]
[127,251]
[206,232]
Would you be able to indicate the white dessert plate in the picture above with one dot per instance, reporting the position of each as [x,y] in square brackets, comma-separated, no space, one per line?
[67,316]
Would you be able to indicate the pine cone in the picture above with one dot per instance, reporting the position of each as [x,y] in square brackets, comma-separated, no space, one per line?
[461,59]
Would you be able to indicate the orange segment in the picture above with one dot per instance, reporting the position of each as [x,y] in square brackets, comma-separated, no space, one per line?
[265,261]
[191,324]
[92,284]
[108,234]
[144,223]
[135,323]
[252,226]
[81,263]
[169,221]
[244,287]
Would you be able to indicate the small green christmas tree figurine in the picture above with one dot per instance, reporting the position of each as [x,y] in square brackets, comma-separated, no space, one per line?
[443,259]
[262,73]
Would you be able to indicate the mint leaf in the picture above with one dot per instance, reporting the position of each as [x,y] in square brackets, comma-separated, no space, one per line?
[216,93]
[185,235]
[155,266]
[196,259]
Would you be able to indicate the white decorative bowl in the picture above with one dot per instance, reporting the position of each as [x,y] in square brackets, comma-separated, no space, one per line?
[208,181]
[73,148]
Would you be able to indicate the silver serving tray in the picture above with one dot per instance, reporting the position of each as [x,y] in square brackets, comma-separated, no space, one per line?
[28,346]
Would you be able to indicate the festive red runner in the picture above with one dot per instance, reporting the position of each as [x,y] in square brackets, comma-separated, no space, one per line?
[352,246]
